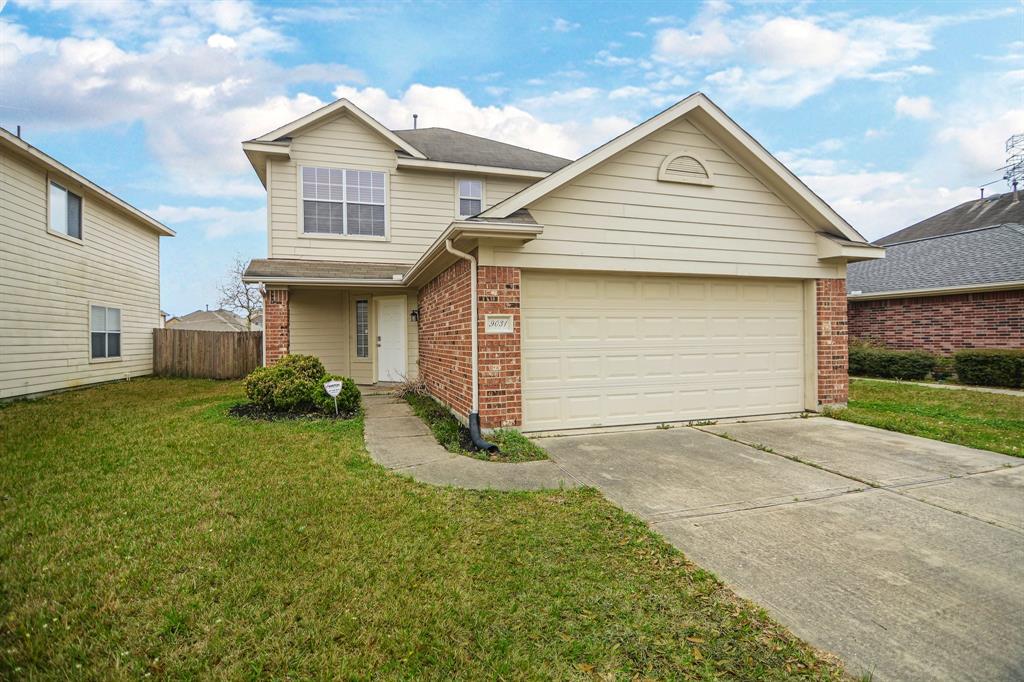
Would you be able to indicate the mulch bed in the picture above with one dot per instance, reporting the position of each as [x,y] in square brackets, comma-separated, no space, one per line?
[251,411]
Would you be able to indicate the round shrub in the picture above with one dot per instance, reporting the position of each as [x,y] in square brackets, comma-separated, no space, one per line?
[348,399]
[308,367]
[296,385]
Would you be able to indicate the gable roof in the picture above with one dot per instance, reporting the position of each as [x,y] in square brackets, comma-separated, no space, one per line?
[12,141]
[209,320]
[998,209]
[739,142]
[338,107]
[989,256]
[442,144]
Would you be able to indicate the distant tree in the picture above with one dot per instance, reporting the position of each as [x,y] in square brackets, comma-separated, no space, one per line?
[239,297]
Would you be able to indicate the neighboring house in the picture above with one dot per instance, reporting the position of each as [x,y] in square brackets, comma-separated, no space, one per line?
[677,272]
[79,277]
[212,321]
[952,281]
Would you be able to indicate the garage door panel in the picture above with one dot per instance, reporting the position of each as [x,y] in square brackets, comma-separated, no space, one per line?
[602,350]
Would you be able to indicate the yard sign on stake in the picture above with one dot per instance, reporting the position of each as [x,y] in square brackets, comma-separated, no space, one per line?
[333,389]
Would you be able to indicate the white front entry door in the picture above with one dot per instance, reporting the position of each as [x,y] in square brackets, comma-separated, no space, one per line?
[391,338]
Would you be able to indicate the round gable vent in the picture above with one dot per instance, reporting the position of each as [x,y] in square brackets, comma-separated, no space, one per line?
[685,166]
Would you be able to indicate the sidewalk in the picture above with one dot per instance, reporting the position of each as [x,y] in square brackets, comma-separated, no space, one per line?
[399,440]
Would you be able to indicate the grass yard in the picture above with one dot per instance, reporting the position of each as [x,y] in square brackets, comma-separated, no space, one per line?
[145,532]
[989,421]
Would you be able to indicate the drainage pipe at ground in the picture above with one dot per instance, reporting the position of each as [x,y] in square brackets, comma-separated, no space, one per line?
[474,416]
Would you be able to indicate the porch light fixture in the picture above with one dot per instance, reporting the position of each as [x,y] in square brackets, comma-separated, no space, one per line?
[415,315]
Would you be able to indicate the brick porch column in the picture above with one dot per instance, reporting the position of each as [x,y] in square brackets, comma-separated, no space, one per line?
[501,397]
[833,375]
[275,325]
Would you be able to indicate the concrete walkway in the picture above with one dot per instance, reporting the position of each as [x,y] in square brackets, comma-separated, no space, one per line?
[979,389]
[399,440]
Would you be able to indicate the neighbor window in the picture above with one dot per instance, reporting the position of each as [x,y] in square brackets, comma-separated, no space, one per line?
[362,329]
[471,197]
[345,202]
[65,211]
[105,332]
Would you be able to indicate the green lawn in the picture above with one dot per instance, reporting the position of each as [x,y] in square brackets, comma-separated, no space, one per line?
[989,421]
[144,532]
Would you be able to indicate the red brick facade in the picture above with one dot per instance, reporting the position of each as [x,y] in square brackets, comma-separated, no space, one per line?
[445,362]
[833,361]
[942,324]
[275,324]
[445,343]
[501,397]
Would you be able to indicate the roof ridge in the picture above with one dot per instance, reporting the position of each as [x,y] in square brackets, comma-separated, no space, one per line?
[481,137]
[949,234]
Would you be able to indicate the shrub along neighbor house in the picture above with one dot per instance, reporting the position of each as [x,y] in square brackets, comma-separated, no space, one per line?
[79,277]
[677,272]
[950,282]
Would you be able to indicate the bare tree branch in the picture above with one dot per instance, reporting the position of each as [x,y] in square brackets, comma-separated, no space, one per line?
[239,297]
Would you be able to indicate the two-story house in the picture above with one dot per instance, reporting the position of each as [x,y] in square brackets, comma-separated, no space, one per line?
[677,272]
[79,277]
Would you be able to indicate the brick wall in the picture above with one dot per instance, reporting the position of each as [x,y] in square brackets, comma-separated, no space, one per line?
[445,362]
[942,324]
[501,397]
[833,379]
[445,339]
[275,324]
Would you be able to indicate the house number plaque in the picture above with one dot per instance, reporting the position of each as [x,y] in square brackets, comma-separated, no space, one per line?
[498,324]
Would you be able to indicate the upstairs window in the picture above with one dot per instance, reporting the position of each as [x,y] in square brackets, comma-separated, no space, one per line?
[65,211]
[105,332]
[471,197]
[343,202]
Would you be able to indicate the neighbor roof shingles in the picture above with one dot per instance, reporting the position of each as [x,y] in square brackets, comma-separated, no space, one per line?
[998,209]
[314,269]
[442,144]
[985,256]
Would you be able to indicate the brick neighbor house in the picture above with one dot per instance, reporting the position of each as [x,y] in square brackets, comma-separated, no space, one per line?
[950,282]
[677,272]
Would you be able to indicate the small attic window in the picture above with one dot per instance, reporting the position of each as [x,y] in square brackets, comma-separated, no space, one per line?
[685,166]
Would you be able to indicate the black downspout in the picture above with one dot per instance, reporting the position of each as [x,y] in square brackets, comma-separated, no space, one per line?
[476,437]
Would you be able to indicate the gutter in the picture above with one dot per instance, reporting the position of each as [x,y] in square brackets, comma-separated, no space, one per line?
[938,291]
[474,415]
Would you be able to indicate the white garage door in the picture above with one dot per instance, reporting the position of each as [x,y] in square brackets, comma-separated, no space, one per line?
[605,350]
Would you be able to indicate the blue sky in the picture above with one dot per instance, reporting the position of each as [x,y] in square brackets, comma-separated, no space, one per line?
[890,111]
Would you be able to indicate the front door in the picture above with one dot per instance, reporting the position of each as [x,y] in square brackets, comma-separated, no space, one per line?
[390,338]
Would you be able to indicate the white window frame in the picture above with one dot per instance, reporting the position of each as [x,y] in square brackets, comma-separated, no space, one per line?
[355,311]
[459,197]
[300,212]
[70,188]
[120,314]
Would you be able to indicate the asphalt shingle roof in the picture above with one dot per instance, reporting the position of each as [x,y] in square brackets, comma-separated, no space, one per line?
[209,320]
[442,144]
[318,269]
[980,256]
[998,209]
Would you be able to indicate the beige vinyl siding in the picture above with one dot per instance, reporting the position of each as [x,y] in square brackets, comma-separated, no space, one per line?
[421,204]
[620,217]
[47,283]
[322,323]
[318,320]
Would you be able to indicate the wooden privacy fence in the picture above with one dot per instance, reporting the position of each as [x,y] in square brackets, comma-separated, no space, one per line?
[211,355]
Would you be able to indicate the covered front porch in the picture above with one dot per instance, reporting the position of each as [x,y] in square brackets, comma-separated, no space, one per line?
[361,324]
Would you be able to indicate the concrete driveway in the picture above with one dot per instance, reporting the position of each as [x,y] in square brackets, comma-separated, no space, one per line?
[904,556]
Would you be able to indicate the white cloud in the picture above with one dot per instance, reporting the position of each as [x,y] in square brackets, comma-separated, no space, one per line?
[561,25]
[222,41]
[627,92]
[215,221]
[703,40]
[919,108]
[512,123]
